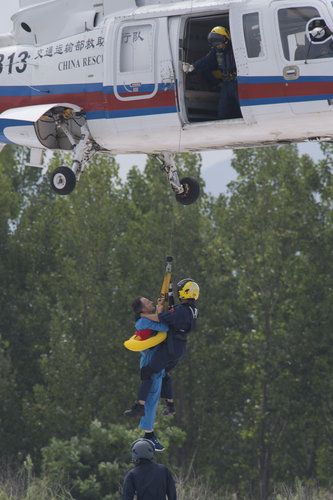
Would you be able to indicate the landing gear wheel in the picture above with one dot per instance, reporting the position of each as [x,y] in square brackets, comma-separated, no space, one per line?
[191,191]
[63,180]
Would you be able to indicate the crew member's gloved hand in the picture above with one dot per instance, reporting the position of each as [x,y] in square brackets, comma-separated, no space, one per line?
[187,67]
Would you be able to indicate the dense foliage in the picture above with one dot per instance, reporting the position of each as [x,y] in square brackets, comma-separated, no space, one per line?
[254,393]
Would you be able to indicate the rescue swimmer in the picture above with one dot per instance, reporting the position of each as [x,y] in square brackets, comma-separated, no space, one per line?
[180,320]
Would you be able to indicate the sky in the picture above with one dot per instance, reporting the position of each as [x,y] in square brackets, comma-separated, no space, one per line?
[216,168]
[8,7]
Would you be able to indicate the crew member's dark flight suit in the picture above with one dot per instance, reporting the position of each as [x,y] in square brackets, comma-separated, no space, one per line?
[181,321]
[228,106]
[150,481]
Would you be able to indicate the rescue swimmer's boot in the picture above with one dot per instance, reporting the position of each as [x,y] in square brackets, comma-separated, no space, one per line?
[137,410]
[157,445]
[169,409]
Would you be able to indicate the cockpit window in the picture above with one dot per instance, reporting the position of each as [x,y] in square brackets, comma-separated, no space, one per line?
[293,24]
[252,35]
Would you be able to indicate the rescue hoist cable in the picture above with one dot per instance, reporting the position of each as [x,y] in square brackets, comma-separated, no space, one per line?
[167,295]
[166,282]
[172,227]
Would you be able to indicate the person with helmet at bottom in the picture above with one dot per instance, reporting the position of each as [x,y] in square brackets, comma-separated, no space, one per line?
[147,480]
[221,57]
[181,321]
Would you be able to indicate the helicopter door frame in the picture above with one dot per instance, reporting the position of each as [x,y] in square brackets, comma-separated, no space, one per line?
[135,62]
[201,89]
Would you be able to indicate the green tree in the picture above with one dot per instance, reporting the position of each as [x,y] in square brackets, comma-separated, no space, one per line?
[270,228]
[253,393]
[109,247]
[83,324]
[10,410]
[93,466]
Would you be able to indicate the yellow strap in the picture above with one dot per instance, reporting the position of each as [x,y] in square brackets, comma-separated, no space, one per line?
[166,283]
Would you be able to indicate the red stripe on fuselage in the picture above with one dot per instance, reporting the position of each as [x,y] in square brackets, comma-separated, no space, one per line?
[87,101]
[309,88]
[161,99]
[283,89]
[260,90]
[91,101]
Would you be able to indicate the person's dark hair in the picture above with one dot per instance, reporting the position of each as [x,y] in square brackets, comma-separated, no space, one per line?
[137,305]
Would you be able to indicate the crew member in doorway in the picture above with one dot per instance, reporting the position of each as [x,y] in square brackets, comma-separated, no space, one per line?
[221,57]
[147,480]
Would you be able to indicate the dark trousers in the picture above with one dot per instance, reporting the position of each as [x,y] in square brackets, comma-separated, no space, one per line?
[161,360]
[228,105]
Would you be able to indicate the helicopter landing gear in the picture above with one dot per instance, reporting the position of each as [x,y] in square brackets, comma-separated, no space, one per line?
[191,191]
[187,189]
[63,179]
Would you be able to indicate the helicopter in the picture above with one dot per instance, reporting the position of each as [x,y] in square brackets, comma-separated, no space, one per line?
[104,77]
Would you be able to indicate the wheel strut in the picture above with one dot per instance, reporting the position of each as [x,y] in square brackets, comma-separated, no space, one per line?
[167,162]
[63,179]
[186,190]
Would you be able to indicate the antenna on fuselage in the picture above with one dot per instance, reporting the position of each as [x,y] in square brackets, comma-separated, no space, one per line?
[29,86]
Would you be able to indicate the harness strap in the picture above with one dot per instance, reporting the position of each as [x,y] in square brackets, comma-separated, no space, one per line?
[169,340]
